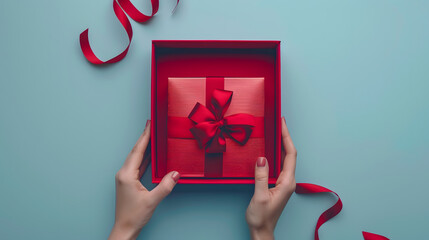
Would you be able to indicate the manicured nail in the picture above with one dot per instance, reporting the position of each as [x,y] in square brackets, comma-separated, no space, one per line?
[175,176]
[261,162]
[147,123]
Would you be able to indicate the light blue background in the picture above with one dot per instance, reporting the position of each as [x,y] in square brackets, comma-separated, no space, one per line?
[355,81]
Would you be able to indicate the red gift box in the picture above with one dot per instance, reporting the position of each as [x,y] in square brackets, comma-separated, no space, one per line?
[236,157]
[182,73]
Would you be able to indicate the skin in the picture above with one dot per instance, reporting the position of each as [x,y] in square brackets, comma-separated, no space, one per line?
[267,204]
[135,204]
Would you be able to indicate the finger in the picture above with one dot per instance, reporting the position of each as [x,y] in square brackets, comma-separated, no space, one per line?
[145,162]
[261,178]
[165,186]
[289,162]
[135,158]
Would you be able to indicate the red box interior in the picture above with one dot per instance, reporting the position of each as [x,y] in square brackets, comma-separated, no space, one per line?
[199,58]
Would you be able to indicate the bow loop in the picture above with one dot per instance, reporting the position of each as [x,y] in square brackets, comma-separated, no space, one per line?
[238,127]
[221,99]
[201,114]
[211,127]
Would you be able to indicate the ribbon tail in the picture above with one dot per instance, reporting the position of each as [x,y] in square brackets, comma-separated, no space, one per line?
[87,50]
[308,188]
[217,144]
[135,14]
[120,7]
[204,133]
[373,236]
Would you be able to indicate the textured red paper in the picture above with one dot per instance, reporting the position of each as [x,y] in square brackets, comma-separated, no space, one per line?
[183,155]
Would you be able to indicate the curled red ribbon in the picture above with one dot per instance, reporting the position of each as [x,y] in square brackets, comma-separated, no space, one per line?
[120,7]
[211,127]
[308,188]
[372,236]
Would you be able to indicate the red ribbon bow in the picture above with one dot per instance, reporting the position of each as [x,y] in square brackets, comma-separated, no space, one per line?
[211,127]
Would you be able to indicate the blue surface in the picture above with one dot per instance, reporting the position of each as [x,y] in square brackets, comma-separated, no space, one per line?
[355,94]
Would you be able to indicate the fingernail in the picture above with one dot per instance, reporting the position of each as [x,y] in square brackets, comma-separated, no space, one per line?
[147,123]
[261,162]
[175,176]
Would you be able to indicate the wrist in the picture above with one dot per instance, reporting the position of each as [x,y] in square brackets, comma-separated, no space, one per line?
[261,234]
[120,232]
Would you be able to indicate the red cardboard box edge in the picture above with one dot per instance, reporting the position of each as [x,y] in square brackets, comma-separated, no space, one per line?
[276,43]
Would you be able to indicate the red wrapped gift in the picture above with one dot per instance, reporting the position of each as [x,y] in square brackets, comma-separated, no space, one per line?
[236,156]
[212,129]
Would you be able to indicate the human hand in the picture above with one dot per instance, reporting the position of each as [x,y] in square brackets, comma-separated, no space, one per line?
[267,205]
[134,203]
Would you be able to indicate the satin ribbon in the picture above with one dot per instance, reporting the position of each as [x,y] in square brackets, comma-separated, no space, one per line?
[372,236]
[308,188]
[211,127]
[120,7]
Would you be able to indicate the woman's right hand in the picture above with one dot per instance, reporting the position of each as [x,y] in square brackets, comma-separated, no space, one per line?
[267,204]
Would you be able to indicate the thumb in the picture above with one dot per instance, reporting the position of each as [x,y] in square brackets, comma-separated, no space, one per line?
[261,177]
[165,186]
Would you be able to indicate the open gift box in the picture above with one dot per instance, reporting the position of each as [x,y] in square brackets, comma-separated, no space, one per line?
[215,109]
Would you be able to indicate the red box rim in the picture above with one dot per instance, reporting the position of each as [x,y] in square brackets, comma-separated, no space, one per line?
[217,44]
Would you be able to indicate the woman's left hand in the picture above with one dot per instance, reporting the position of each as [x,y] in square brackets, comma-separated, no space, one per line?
[134,203]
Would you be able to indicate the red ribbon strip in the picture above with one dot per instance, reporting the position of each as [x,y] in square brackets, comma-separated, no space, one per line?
[211,127]
[372,236]
[120,7]
[308,188]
